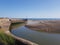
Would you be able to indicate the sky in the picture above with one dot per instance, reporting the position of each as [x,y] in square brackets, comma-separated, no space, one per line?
[30,8]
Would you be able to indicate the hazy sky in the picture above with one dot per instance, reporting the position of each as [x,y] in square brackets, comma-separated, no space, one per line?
[30,8]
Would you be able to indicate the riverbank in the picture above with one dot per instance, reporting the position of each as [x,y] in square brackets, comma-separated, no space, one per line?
[44,25]
[5,24]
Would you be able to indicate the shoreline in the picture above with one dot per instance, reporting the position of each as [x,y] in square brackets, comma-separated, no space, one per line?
[44,25]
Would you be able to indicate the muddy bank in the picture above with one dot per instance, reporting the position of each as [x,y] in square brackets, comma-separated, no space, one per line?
[44,25]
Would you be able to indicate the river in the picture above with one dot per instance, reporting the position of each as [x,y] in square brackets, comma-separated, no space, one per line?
[41,38]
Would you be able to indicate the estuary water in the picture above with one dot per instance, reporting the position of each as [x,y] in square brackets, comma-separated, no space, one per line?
[41,38]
